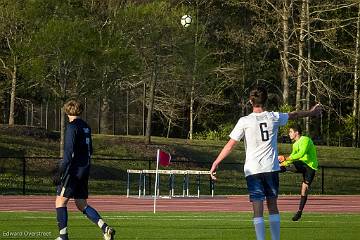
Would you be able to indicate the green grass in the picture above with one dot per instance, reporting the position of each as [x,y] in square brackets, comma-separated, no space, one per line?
[145,225]
[182,149]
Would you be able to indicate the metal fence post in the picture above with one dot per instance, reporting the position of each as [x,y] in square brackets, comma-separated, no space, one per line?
[322,179]
[212,185]
[144,184]
[128,185]
[24,175]
[140,184]
[184,185]
[149,182]
[170,184]
[198,186]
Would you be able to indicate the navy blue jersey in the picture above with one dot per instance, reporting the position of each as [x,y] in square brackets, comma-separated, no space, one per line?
[77,149]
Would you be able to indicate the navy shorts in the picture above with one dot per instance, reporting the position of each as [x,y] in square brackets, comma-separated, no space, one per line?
[72,187]
[263,186]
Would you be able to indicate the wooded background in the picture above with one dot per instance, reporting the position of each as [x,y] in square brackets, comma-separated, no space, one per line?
[140,72]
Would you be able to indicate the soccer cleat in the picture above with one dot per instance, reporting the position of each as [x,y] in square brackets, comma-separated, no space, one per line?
[297,216]
[62,238]
[109,233]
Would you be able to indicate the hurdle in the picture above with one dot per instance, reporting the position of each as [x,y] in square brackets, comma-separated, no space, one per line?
[172,173]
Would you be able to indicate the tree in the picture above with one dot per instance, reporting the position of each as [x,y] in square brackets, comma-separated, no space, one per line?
[156,35]
[332,23]
[356,99]
[12,31]
[58,59]
[299,77]
[308,84]
[149,41]
[285,53]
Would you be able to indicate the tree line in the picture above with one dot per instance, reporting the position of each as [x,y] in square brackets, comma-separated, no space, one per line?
[191,80]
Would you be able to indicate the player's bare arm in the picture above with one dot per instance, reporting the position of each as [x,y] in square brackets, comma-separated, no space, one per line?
[223,154]
[313,112]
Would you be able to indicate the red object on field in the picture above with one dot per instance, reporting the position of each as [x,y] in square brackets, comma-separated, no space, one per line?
[164,158]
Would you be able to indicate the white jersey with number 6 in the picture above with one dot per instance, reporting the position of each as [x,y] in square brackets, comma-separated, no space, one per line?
[260,131]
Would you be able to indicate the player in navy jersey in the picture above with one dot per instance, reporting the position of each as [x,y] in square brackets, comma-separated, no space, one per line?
[259,130]
[74,172]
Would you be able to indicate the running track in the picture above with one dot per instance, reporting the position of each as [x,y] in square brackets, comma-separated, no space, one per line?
[334,204]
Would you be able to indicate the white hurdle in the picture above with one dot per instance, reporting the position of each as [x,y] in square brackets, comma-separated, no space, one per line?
[128,181]
[171,173]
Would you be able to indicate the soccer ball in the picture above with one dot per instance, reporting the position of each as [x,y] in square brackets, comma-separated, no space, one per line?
[186,20]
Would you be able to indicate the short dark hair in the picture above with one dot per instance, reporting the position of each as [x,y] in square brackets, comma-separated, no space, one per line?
[296,128]
[258,96]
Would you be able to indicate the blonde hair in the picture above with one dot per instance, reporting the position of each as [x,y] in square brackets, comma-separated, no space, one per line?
[73,108]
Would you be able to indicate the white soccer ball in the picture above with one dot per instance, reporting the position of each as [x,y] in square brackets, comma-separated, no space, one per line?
[186,20]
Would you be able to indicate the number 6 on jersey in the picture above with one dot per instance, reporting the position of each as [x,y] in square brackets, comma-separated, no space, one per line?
[264,132]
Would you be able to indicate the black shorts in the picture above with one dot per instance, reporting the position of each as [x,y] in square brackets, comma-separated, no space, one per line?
[307,172]
[72,187]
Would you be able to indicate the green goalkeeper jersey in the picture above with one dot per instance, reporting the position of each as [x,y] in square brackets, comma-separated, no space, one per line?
[304,150]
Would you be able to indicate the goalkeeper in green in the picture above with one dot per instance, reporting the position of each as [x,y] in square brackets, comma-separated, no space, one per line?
[304,159]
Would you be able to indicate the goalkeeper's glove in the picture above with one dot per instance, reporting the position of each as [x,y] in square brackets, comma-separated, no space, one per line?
[282,161]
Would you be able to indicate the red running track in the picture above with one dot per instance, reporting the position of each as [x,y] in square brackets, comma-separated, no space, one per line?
[323,203]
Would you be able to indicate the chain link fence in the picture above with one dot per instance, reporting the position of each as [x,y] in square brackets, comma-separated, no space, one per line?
[33,175]
[122,114]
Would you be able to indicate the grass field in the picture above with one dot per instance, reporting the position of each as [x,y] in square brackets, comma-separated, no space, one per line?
[26,142]
[179,225]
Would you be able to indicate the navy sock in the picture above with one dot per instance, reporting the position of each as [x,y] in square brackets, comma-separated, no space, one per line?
[94,216]
[303,200]
[62,219]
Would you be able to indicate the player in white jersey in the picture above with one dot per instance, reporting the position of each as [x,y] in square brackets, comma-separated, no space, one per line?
[259,130]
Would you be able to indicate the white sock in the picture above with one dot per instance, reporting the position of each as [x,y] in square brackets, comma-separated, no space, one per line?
[63,231]
[274,221]
[259,228]
[100,223]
